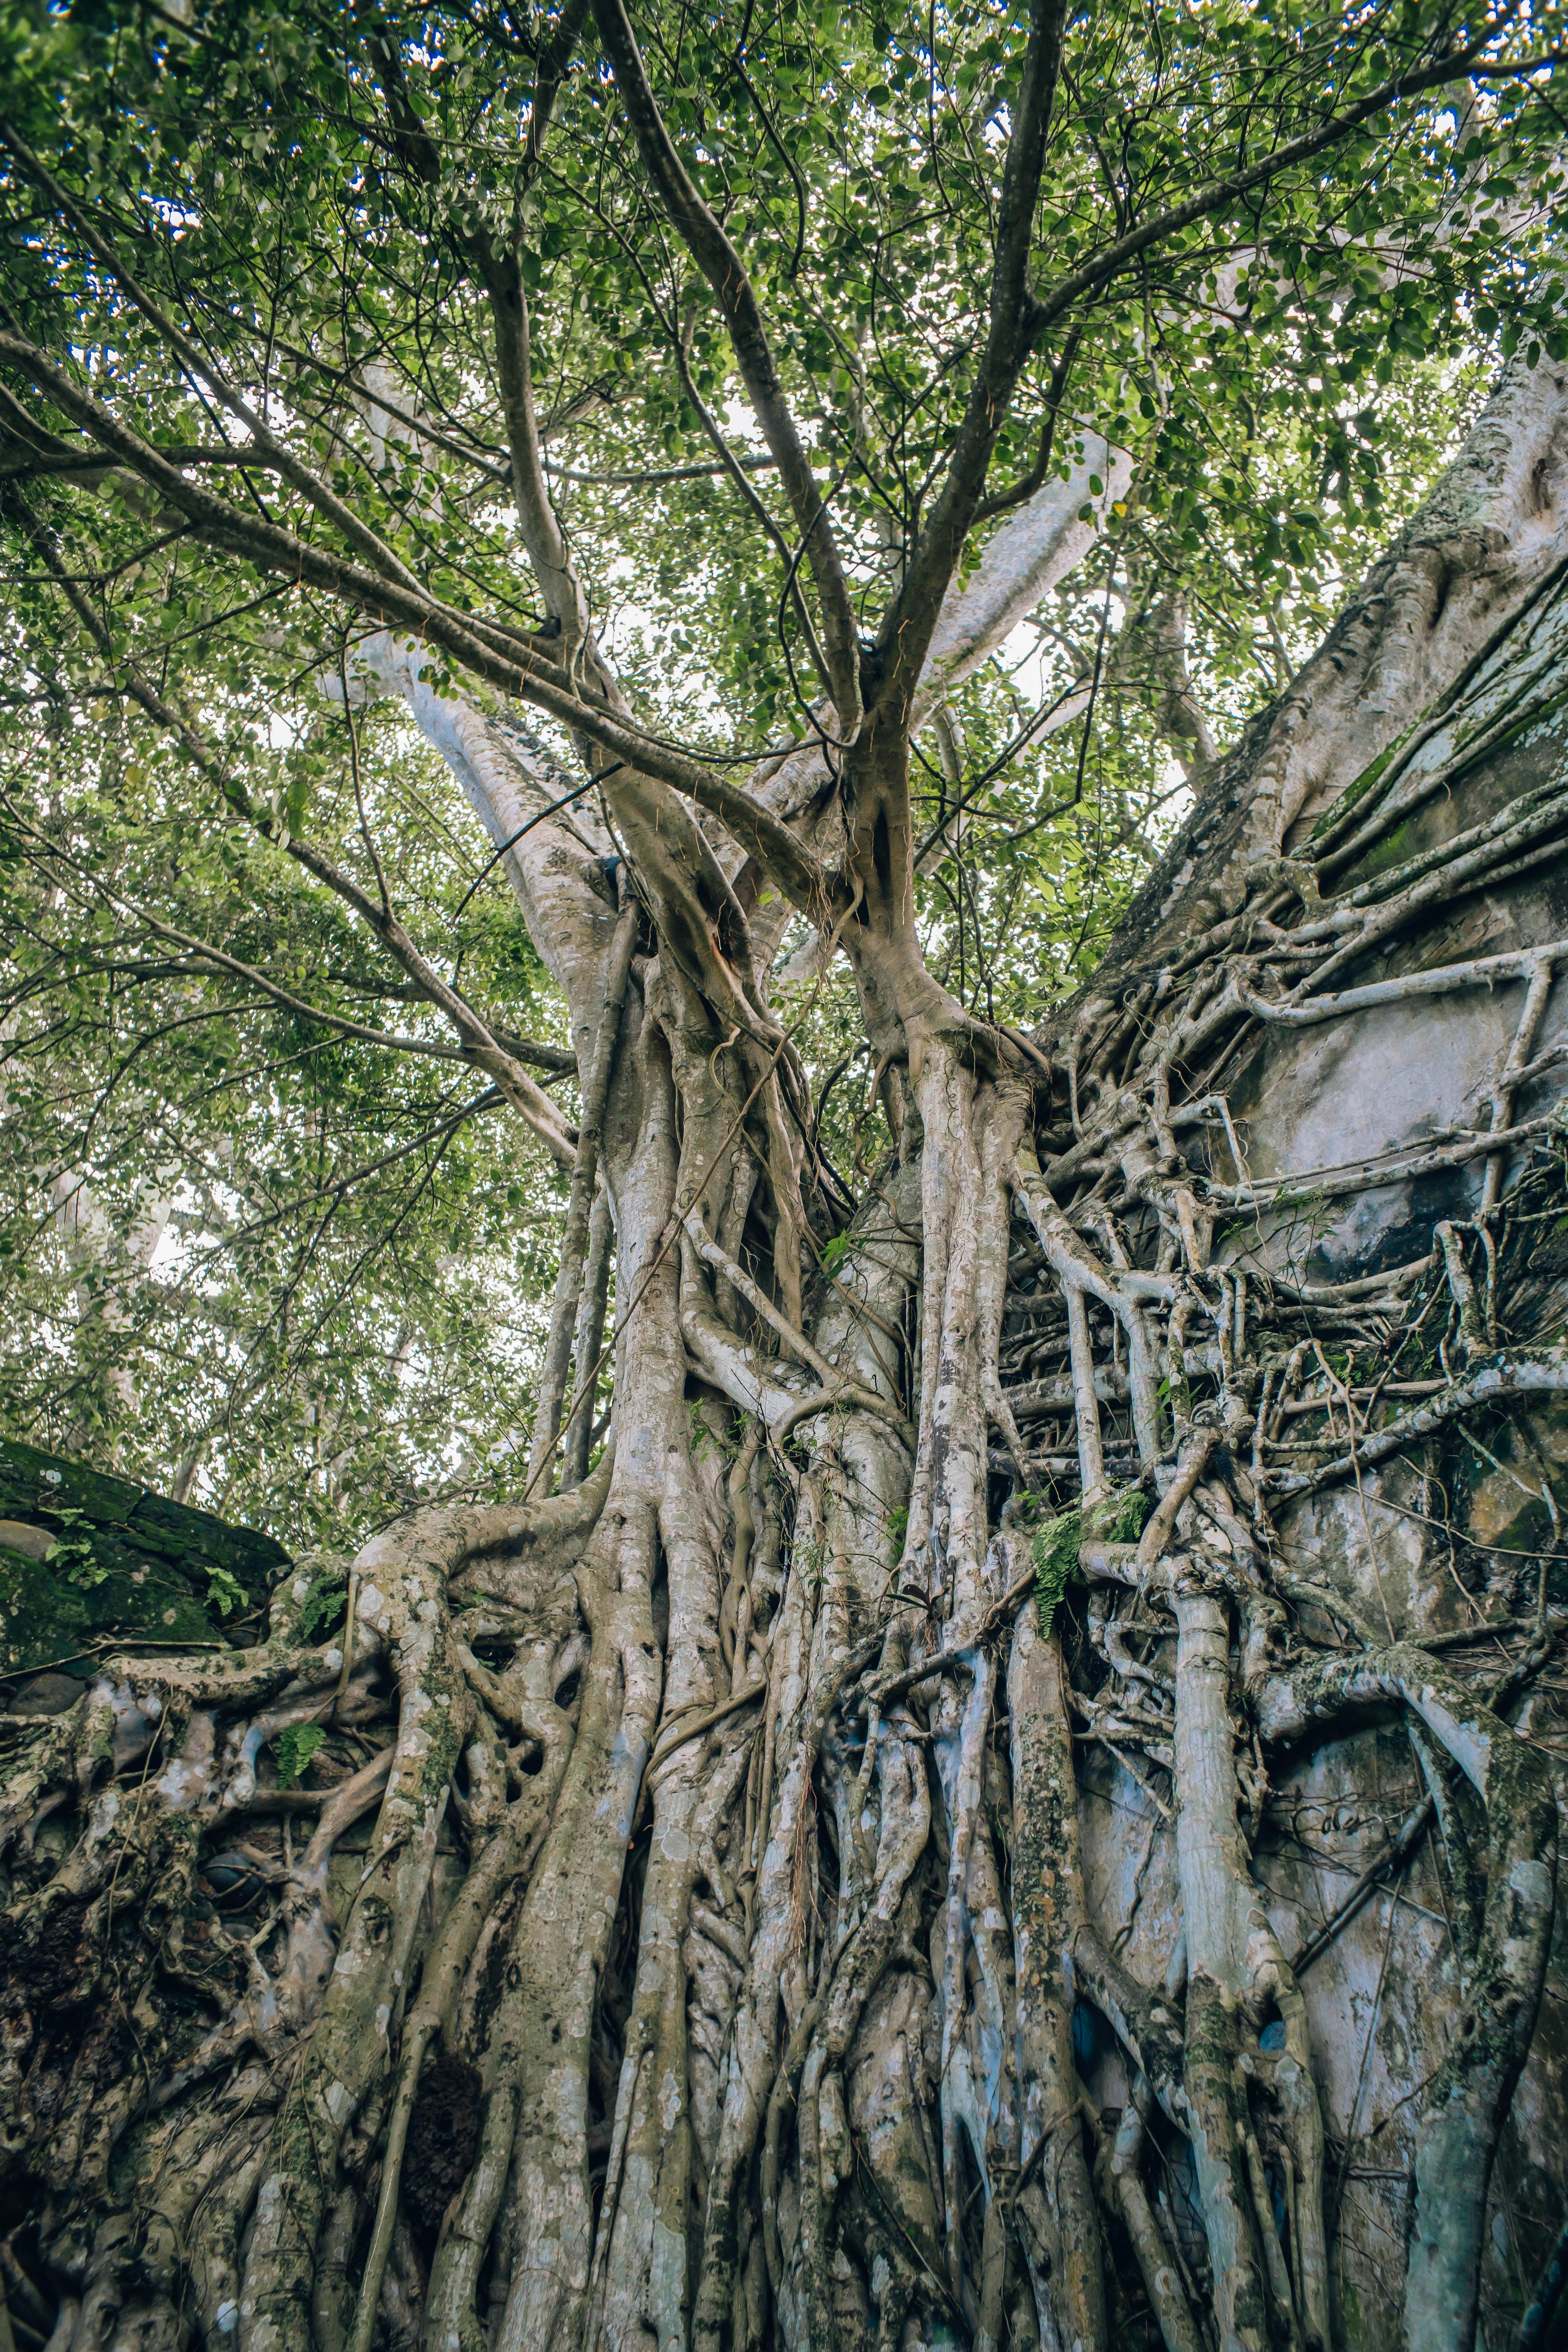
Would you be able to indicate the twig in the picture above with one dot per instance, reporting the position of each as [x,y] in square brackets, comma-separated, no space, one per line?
[1392,1859]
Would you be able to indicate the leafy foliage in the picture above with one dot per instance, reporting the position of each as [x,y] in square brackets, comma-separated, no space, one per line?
[325,1601]
[1057,1542]
[1056,1550]
[71,1555]
[232,1238]
[224,1591]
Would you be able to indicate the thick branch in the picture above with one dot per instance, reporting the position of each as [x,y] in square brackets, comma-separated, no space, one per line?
[499,658]
[906,633]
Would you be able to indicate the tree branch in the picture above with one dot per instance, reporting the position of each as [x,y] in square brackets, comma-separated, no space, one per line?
[358,534]
[721,266]
[519,1090]
[1456,65]
[508,662]
[906,633]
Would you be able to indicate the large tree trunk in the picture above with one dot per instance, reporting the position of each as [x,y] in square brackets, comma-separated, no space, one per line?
[871,1862]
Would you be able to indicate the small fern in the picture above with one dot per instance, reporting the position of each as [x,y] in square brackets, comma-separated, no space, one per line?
[1059,1541]
[1122,1518]
[293,1748]
[323,1604]
[1056,1550]
[225,1593]
[71,1553]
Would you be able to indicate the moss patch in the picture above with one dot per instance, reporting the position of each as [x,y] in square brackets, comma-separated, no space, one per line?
[1359,789]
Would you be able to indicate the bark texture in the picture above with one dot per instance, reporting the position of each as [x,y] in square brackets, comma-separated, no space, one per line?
[1017,1801]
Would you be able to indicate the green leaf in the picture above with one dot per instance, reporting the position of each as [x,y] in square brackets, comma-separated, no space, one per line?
[1119,1519]
[1056,1550]
[73,1554]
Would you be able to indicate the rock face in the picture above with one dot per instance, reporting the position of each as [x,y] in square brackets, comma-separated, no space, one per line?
[86,1559]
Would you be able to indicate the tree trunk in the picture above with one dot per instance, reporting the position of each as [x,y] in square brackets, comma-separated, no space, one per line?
[1017,1803]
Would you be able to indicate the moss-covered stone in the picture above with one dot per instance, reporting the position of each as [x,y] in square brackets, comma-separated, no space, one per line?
[86,1557]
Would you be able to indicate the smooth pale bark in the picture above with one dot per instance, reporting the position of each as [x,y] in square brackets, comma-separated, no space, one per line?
[1214,1914]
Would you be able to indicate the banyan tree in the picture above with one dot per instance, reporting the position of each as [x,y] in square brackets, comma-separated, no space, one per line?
[988,1772]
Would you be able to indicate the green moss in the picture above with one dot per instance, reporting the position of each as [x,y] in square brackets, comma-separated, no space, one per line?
[1392,850]
[45,1620]
[441,1756]
[1534,715]
[1360,788]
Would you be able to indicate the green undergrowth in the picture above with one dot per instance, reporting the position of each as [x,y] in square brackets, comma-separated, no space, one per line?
[293,1748]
